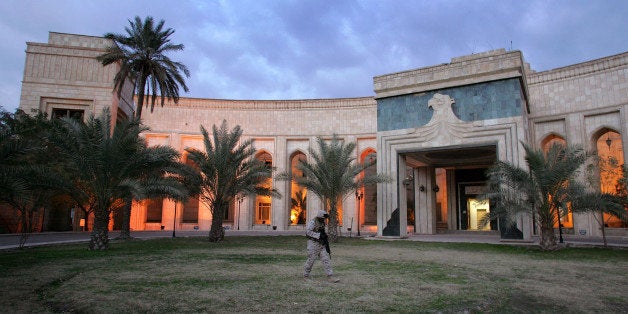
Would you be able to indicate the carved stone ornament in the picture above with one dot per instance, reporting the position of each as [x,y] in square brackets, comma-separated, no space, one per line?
[444,124]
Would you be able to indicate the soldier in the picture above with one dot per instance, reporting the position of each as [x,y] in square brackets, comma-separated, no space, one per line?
[317,245]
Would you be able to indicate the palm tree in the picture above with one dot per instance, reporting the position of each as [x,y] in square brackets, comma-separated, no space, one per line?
[228,167]
[141,54]
[544,190]
[142,57]
[110,166]
[26,182]
[599,203]
[332,175]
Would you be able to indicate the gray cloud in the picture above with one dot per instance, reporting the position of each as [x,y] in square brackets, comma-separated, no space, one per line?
[280,49]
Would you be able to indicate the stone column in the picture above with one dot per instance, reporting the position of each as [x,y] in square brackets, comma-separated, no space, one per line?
[280,212]
[314,203]
[425,201]
[452,201]
[577,135]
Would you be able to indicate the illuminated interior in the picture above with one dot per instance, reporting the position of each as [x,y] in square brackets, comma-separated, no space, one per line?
[611,160]
[298,202]
[263,202]
[441,198]
[565,220]
[368,203]
[189,212]
[478,211]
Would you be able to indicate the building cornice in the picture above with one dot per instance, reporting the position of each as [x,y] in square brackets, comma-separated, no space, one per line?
[299,104]
[580,69]
[466,70]
[48,49]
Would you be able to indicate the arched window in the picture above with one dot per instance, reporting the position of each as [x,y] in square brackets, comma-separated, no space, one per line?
[154,208]
[566,220]
[189,213]
[551,140]
[262,202]
[298,195]
[611,161]
[368,206]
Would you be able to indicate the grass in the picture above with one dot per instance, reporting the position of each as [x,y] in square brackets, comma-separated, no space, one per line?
[263,274]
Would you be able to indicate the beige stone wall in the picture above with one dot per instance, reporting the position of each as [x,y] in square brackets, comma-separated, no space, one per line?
[591,85]
[279,128]
[64,73]
[575,103]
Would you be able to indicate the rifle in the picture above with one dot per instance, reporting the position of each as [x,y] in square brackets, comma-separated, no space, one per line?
[325,241]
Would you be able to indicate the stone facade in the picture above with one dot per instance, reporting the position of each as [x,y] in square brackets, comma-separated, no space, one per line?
[279,128]
[64,74]
[432,129]
[498,102]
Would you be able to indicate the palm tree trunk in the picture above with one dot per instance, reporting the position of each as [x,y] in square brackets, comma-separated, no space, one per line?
[100,233]
[217,232]
[125,232]
[26,227]
[548,238]
[333,222]
[140,95]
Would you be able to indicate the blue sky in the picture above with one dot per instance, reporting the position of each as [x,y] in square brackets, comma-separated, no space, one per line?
[300,49]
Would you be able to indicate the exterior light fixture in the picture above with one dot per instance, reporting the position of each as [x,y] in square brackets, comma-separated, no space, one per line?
[609,141]
[174,221]
[239,198]
[407,181]
[359,195]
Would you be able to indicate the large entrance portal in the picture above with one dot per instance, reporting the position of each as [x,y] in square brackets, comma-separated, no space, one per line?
[444,189]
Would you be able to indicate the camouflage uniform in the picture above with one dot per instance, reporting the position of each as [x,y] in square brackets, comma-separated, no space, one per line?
[315,246]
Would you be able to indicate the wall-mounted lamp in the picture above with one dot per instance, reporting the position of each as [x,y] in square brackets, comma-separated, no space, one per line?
[408,180]
[609,142]
[422,188]
[435,188]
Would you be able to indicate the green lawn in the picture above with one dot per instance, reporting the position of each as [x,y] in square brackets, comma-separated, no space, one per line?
[263,274]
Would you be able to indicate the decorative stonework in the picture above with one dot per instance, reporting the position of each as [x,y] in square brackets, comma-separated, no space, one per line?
[441,104]
[444,122]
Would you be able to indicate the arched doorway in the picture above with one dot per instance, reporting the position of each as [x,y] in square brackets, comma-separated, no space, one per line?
[298,195]
[610,154]
[189,210]
[566,219]
[263,209]
[366,196]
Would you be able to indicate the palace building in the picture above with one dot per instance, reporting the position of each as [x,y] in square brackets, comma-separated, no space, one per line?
[434,130]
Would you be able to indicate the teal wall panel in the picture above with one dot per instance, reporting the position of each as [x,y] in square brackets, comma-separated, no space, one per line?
[489,100]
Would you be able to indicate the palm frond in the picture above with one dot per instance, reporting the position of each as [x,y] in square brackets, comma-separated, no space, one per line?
[141,53]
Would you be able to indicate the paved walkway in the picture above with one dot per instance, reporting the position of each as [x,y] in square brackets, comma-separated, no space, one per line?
[8,241]
[568,240]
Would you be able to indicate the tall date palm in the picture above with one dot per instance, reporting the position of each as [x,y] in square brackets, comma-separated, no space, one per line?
[26,179]
[543,190]
[228,167]
[332,174]
[141,53]
[108,167]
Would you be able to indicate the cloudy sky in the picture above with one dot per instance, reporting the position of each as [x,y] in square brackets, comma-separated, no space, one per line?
[299,49]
